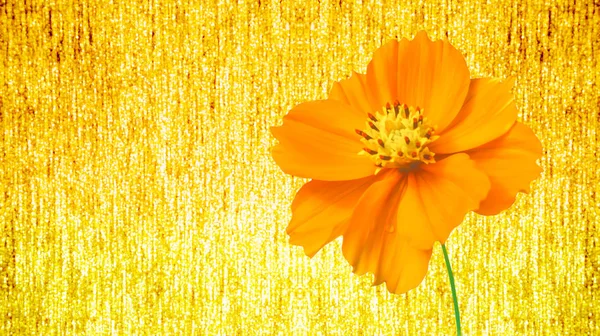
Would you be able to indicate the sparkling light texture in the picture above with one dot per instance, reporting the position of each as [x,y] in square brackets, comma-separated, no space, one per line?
[138,196]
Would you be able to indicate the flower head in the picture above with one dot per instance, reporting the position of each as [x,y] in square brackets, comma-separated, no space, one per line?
[399,155]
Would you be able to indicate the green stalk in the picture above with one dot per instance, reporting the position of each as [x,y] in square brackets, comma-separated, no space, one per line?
[456,312]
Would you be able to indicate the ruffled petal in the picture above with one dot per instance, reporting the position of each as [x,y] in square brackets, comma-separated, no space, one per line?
[488,113]
[431,75]
[382,72]
[372,243]
[355,92]
[510,164]
[446,192]
[321,210]
[397,221]
[318,140]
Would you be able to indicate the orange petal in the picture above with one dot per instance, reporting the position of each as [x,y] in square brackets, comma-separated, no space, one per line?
[321,210]
[510,165]
[318,140]
[398,219]
[372,243]
[355,92]
[431,75]
[488,113]
[382,72]
[446,192]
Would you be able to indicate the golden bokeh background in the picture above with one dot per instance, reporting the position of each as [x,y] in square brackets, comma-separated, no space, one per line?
[138,196]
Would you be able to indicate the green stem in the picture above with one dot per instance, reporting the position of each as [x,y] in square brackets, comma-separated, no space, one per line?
[456,313]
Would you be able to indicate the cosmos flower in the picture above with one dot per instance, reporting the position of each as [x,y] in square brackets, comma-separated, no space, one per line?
[399,155]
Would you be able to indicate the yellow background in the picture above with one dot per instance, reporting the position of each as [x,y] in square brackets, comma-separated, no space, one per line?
[138,196]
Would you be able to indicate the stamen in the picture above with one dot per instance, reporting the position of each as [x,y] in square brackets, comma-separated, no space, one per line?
[385,157]
[370,151]
[380,142]
[372,117]
[413,154]
[363,134]
[407,140]
[417,144]
[373,126]
[415,123]
[406,111]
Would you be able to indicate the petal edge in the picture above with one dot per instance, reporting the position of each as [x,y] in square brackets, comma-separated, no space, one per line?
[510,163]
[321,210]
[488,113]
[318,140]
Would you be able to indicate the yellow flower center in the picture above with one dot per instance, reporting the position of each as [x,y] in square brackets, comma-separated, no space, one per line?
[397,137]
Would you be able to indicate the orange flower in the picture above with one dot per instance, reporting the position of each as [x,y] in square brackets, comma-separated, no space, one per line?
[398,156]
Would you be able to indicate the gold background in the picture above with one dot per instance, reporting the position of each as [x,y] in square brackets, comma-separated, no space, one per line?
[138,196]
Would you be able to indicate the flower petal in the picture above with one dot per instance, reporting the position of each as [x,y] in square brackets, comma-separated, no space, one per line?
[488,113]
[382,72]
[510,165]
[371,243]
[355,92]
[321,210]
[431,75]
[446,192]
[318,140]
[397,221]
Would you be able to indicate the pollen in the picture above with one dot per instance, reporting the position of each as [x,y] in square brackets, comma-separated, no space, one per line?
[397,137]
